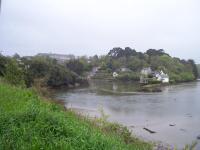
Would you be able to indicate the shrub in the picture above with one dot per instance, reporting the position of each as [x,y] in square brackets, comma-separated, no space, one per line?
[184,76]
[59,76]
[3,62]
[129,77]
[76,66]
[187,76]
[39,67]
[154,81]
[14,74]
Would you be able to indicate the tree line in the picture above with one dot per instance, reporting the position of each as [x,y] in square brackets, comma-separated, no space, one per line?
[179,70]
[26,71]
[48,71]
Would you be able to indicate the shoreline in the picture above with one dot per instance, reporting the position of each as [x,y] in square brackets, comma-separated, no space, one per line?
[38,114]
[182,84]
[158,145]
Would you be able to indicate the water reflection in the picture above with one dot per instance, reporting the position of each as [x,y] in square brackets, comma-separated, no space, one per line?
[177,104]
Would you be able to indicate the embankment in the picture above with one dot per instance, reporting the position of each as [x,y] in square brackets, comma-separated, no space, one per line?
[29,122]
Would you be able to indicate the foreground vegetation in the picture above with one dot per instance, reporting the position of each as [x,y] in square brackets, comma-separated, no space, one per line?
[28,122]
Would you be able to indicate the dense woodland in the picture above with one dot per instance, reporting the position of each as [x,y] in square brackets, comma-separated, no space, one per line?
[27,71]
[178,70]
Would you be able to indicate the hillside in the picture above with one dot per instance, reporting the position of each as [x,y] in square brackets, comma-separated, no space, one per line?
[28,122]
[179,70]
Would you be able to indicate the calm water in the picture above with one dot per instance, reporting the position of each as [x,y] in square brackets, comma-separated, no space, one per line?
[178,105]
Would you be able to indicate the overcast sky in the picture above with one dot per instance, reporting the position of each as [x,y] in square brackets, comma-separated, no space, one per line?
[88,27]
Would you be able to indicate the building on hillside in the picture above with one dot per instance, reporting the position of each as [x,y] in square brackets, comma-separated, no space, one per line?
[144,75]
[146,71]
[144,80]
[115,74]
[147,74]
[161,76]
[59,57]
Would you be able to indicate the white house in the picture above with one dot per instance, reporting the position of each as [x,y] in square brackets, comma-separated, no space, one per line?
[115,74]
[158,75]
[161,76]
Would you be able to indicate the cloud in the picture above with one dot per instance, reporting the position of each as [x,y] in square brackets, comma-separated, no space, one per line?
[95,26]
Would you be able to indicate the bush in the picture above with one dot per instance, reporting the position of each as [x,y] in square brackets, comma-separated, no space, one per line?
[181,77]
[76,66]
[187,76]
[129,77]
[3,62]
[175,77]
[154,81]
[39,67]
[14,74]
[59,76]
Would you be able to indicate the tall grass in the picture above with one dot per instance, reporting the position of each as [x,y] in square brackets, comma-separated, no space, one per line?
[27,122]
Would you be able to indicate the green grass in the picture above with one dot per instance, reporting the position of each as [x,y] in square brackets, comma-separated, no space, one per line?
[28,122]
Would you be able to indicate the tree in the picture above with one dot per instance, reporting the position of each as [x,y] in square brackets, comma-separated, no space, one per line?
[194,68]
[154,52]
[118,52]
[60,76]
[16,56]
[86,63]
[14,74]
[76,66]
[39,67]
[135,64]
[94,60]
[3,61]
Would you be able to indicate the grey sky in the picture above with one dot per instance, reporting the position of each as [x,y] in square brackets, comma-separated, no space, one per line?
[88,27]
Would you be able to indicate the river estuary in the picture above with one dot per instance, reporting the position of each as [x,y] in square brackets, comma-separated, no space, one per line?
[174,113]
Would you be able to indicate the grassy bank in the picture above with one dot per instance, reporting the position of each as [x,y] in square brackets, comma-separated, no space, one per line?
[28,122]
